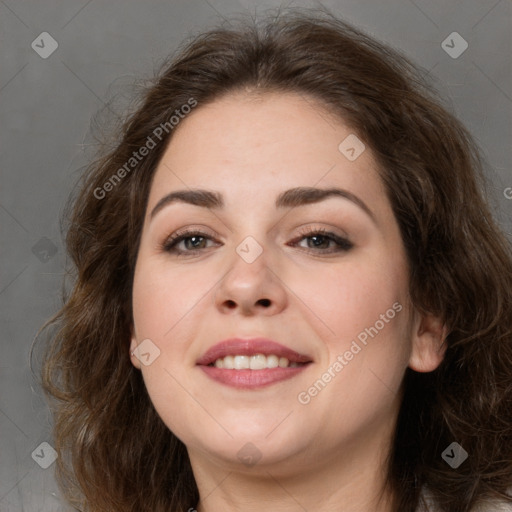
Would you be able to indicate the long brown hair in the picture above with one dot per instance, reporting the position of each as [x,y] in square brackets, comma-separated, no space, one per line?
[115,453]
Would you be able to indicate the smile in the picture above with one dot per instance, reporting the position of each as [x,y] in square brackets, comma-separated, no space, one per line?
[251,363]
[256,362]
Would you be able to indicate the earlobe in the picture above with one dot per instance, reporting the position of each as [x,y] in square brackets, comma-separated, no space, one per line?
[428,343]
[133,345]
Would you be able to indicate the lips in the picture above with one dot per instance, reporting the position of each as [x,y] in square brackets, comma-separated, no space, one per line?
[248,378]
[250,347]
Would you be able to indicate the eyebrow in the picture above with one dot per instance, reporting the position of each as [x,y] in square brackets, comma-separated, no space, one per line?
[293,197]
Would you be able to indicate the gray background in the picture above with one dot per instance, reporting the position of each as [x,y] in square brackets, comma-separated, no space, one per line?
[46,108]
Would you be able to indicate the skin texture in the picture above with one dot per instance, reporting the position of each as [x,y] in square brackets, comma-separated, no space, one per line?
[327,454]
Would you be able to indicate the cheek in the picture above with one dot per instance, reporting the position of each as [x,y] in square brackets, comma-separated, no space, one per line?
[363,312]
[163,311]
[350,298]
[163,296]
[366,352]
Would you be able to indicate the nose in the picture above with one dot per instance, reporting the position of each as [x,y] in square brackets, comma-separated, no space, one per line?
[251,288]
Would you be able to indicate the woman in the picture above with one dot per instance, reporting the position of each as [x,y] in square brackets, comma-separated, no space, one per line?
[290,292]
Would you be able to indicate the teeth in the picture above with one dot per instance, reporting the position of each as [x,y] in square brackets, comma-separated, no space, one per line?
[256,362]
[272,361]
[241,362]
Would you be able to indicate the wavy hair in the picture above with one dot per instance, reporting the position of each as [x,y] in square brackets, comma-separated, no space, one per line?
[115,453]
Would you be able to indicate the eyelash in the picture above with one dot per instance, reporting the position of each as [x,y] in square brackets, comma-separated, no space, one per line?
[344,245]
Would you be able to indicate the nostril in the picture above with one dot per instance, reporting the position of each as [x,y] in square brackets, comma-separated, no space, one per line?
[264,302]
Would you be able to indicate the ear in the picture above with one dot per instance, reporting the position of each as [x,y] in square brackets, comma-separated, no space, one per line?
[135,360]
[428,343]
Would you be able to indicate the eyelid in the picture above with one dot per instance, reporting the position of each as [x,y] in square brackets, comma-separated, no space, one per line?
[192,228]
[327,230]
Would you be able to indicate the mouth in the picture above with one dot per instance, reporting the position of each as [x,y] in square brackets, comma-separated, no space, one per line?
[252,363]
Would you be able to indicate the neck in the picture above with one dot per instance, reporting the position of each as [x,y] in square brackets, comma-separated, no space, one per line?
[349,478]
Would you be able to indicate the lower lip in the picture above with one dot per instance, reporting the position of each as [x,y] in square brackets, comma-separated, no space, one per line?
[251,379]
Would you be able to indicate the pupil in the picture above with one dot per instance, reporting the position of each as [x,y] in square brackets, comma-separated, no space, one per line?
[318,238]
[196,238]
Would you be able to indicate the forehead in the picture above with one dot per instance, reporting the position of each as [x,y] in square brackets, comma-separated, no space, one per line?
[245,145]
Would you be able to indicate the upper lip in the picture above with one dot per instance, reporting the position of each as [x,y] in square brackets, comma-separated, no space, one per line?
[250,347]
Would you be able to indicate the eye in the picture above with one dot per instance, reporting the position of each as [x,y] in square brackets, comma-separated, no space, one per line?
[322,239]
[193,240]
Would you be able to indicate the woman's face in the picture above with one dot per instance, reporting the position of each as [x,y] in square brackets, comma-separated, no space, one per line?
[253,269]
